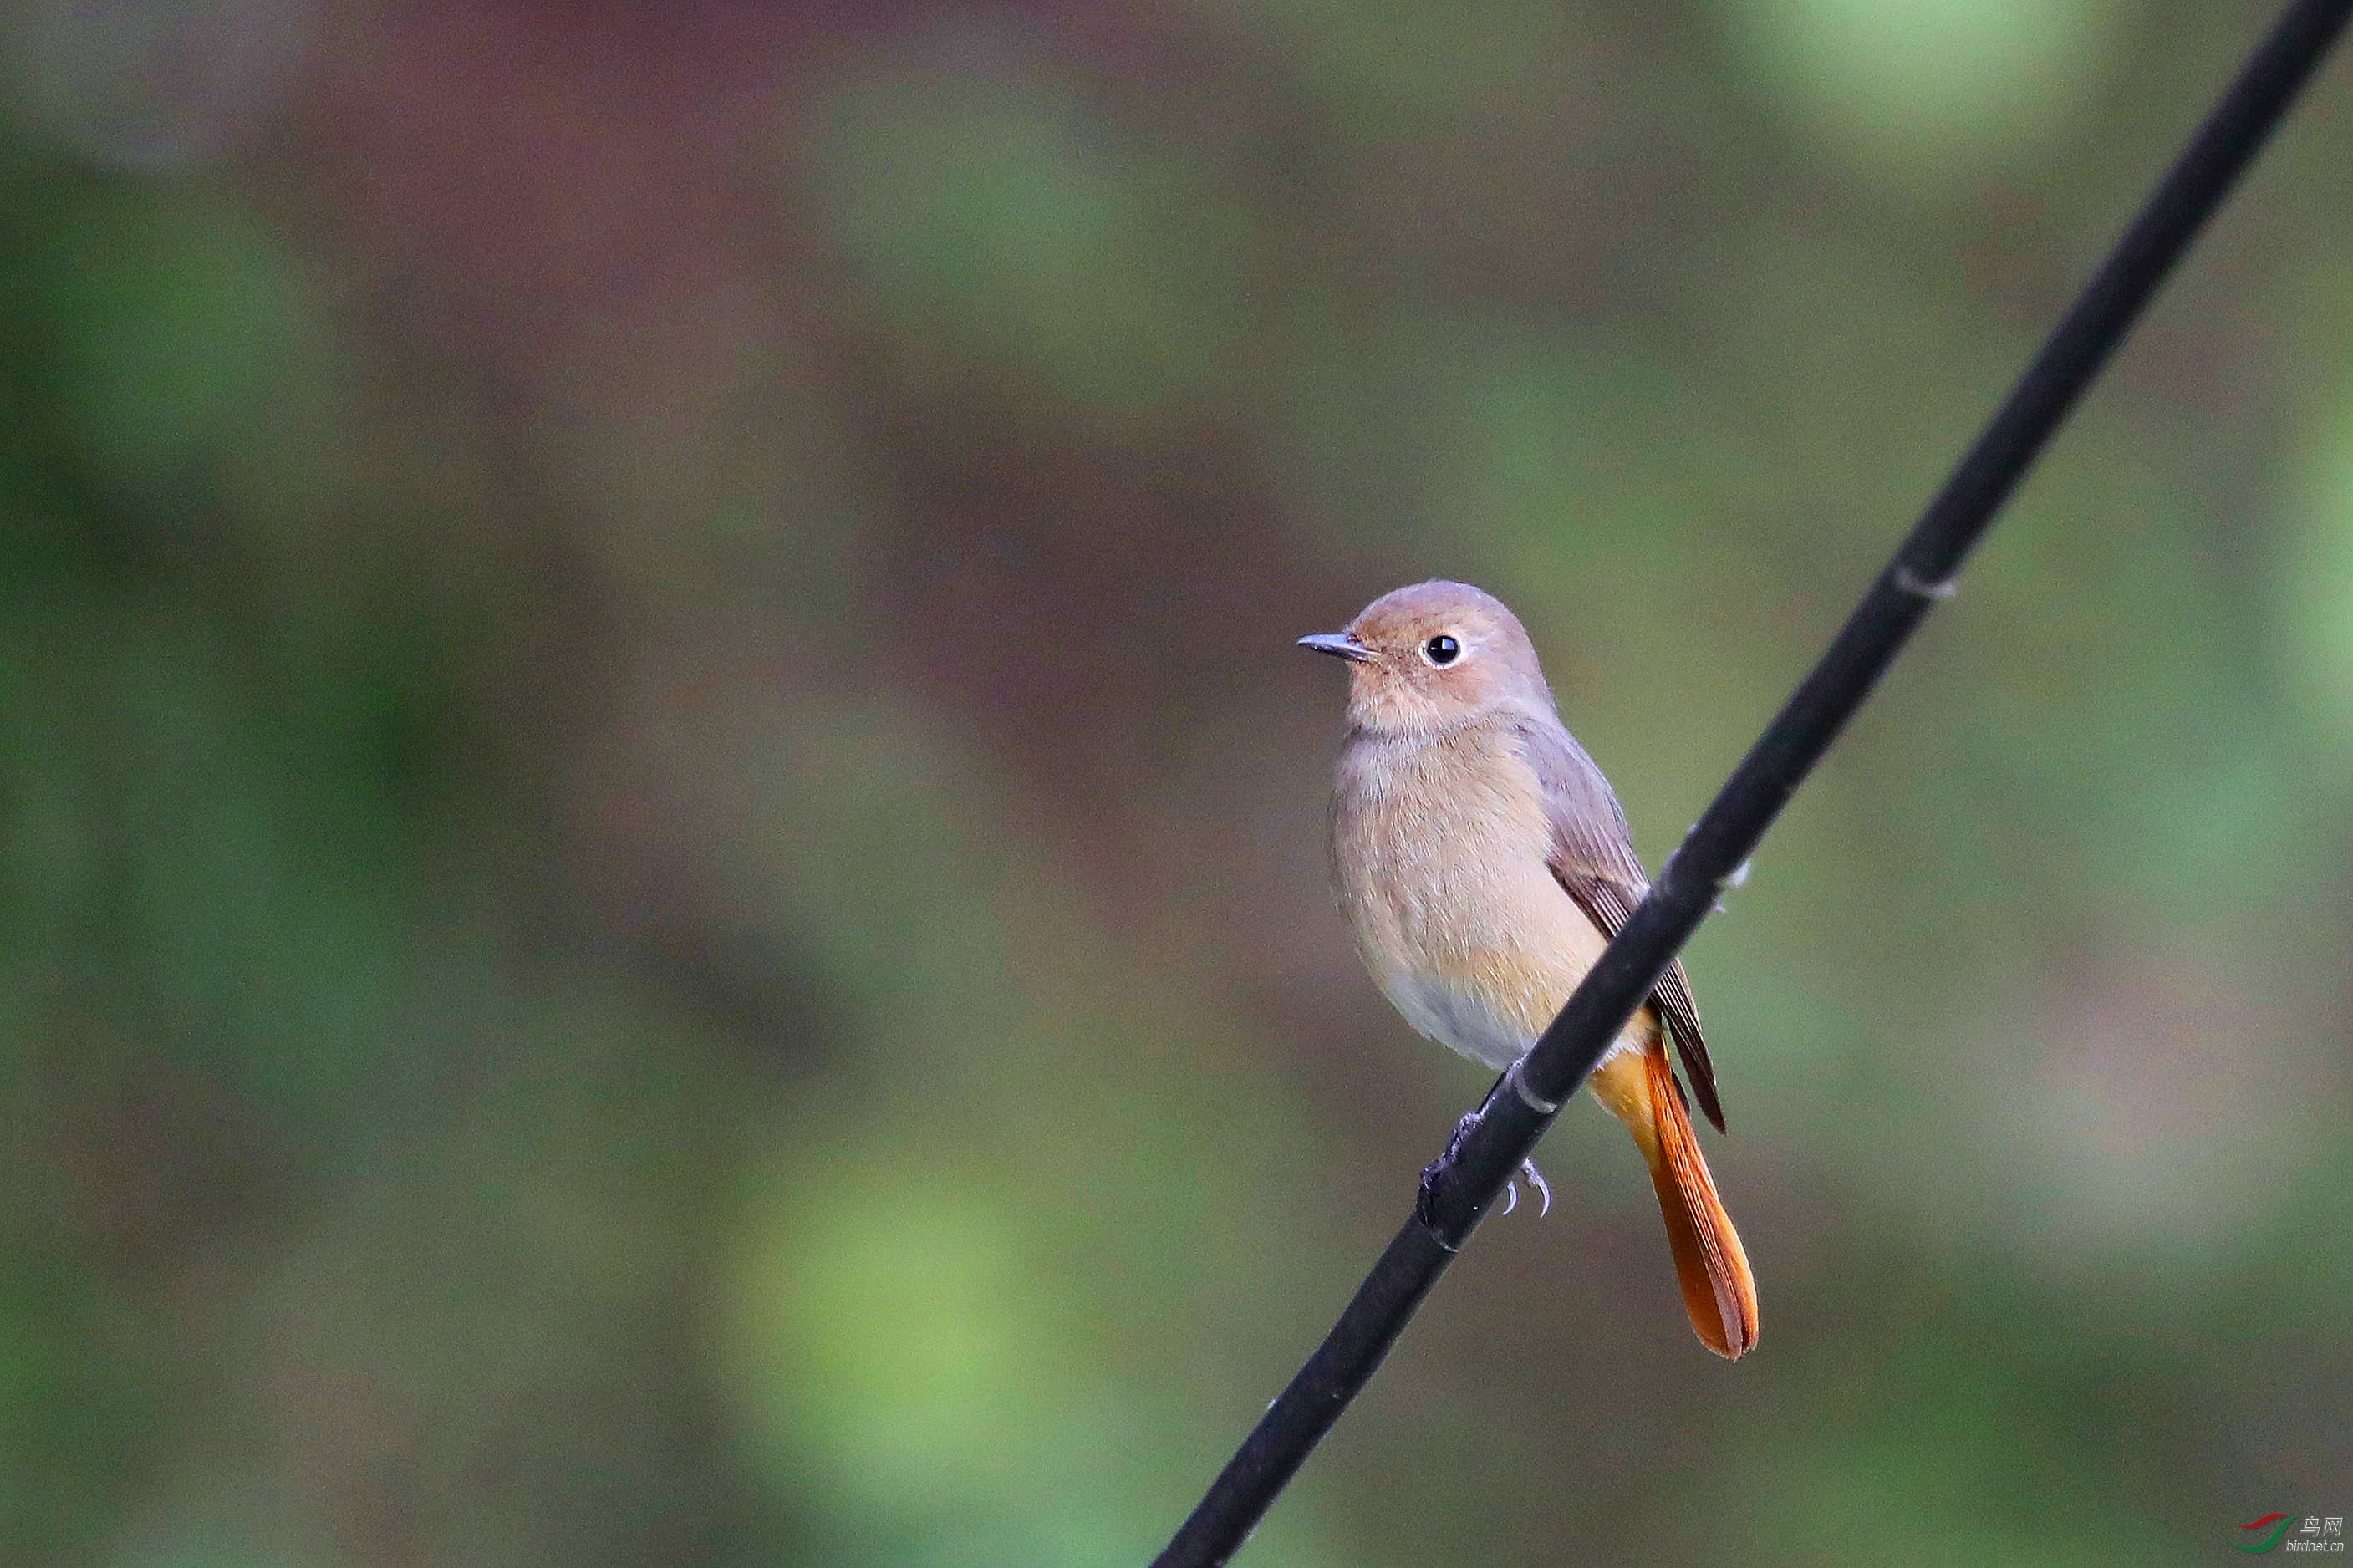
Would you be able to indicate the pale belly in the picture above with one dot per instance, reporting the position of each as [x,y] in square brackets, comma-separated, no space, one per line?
[1457,1017]
[1493,1026]
[1466,932]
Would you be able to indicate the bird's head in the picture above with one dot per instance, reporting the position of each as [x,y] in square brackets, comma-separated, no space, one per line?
[1432,656]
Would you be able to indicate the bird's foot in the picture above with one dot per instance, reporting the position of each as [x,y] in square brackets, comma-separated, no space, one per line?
[1436,1169]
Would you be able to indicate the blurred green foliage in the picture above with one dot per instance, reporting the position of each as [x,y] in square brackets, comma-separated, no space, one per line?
[661,873]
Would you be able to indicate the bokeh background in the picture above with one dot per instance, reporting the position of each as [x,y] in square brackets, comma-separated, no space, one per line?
[660,846]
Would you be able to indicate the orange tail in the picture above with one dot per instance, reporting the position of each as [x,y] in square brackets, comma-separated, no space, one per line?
[1719,1292]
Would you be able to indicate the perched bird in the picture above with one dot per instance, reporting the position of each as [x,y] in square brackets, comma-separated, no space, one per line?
[1484,863]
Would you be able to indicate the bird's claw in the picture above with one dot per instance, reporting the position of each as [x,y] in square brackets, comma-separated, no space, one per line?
[1536,1180]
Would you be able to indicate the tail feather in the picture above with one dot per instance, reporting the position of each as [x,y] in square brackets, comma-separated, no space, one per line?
[1719,1292]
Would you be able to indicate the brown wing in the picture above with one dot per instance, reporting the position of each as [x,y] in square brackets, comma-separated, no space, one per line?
[1593,860]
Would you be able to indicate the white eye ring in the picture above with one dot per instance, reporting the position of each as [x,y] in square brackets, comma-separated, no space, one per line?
[1441,651]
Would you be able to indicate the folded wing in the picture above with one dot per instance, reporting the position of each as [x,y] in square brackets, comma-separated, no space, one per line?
[1593,860]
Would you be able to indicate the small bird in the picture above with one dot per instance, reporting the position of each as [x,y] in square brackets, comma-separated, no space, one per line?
[1485,863]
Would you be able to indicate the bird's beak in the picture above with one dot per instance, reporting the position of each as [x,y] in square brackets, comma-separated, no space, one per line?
[1339,645]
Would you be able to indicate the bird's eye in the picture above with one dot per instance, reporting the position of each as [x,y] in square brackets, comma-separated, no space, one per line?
[1441,650]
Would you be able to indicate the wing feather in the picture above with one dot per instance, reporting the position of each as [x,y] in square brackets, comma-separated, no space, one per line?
[1593,860]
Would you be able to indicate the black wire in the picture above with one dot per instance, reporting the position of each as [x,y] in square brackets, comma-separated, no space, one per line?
[1457,1190]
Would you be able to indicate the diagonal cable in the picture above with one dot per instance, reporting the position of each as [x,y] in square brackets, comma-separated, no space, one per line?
[1457,1190]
